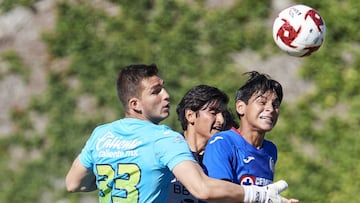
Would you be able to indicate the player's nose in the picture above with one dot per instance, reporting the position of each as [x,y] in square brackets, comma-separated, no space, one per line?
[220,118]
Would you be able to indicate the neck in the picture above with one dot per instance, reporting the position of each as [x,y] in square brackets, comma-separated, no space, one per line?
[255,138]
[196,143]
[141,117]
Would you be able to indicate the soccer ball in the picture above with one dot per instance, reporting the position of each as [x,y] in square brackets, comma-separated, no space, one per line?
[299,30]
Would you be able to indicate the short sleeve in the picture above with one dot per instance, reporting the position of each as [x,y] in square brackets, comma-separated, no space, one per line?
[217,158]
[171,149]
[85,156]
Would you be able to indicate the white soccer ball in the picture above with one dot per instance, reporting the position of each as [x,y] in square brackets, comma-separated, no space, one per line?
[299,30]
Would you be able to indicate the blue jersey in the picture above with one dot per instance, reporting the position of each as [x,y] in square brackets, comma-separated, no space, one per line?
[133,159]
[229,156]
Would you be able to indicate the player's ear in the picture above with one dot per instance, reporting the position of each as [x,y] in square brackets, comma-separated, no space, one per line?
[190,116]
[240,107]
[134,105]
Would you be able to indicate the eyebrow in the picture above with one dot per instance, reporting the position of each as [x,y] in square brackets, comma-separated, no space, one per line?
[216,105]
[155,87]
[160,83]
[265,97]
[260,96]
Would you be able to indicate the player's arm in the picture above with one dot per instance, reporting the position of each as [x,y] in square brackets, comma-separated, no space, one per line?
[191,175]
[79,178]
[202,187]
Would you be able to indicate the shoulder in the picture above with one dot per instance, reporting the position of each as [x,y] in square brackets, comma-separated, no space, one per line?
[269,144]
[137,125]
[222,138]
[224,135]
[270,148]
[100,130]
[167,132]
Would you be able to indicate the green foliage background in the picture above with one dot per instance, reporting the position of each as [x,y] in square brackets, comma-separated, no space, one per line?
[318,143]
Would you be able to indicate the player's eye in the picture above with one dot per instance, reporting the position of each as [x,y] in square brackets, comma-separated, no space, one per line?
[156,90]
[261,101]
[276,104]
[213,112]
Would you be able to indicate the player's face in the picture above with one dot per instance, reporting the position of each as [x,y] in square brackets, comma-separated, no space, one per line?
[155,105]
[262,111]
[208,122]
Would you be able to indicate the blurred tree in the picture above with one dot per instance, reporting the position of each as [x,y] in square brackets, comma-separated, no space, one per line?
[317,136]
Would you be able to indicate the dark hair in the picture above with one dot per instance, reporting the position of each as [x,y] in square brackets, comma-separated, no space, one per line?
[198,98]
[128,83]
[229,120]
[258,83]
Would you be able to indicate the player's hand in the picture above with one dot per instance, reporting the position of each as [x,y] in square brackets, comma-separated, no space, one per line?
[267,194]
[273,193]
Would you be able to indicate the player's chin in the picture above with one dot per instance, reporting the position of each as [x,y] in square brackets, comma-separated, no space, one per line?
[165,113]
[266,128]
[213,132]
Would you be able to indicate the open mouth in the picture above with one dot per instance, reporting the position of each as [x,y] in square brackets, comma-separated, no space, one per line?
[218,128]
[266,118]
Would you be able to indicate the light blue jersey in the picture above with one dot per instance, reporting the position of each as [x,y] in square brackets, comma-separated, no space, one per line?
[133,159]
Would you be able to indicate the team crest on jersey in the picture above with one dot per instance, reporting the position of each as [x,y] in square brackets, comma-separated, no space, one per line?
[247,180]
[253,180]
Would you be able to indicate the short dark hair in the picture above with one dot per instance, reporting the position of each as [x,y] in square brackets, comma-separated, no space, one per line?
[258,83]
[199,98]
[128,83]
